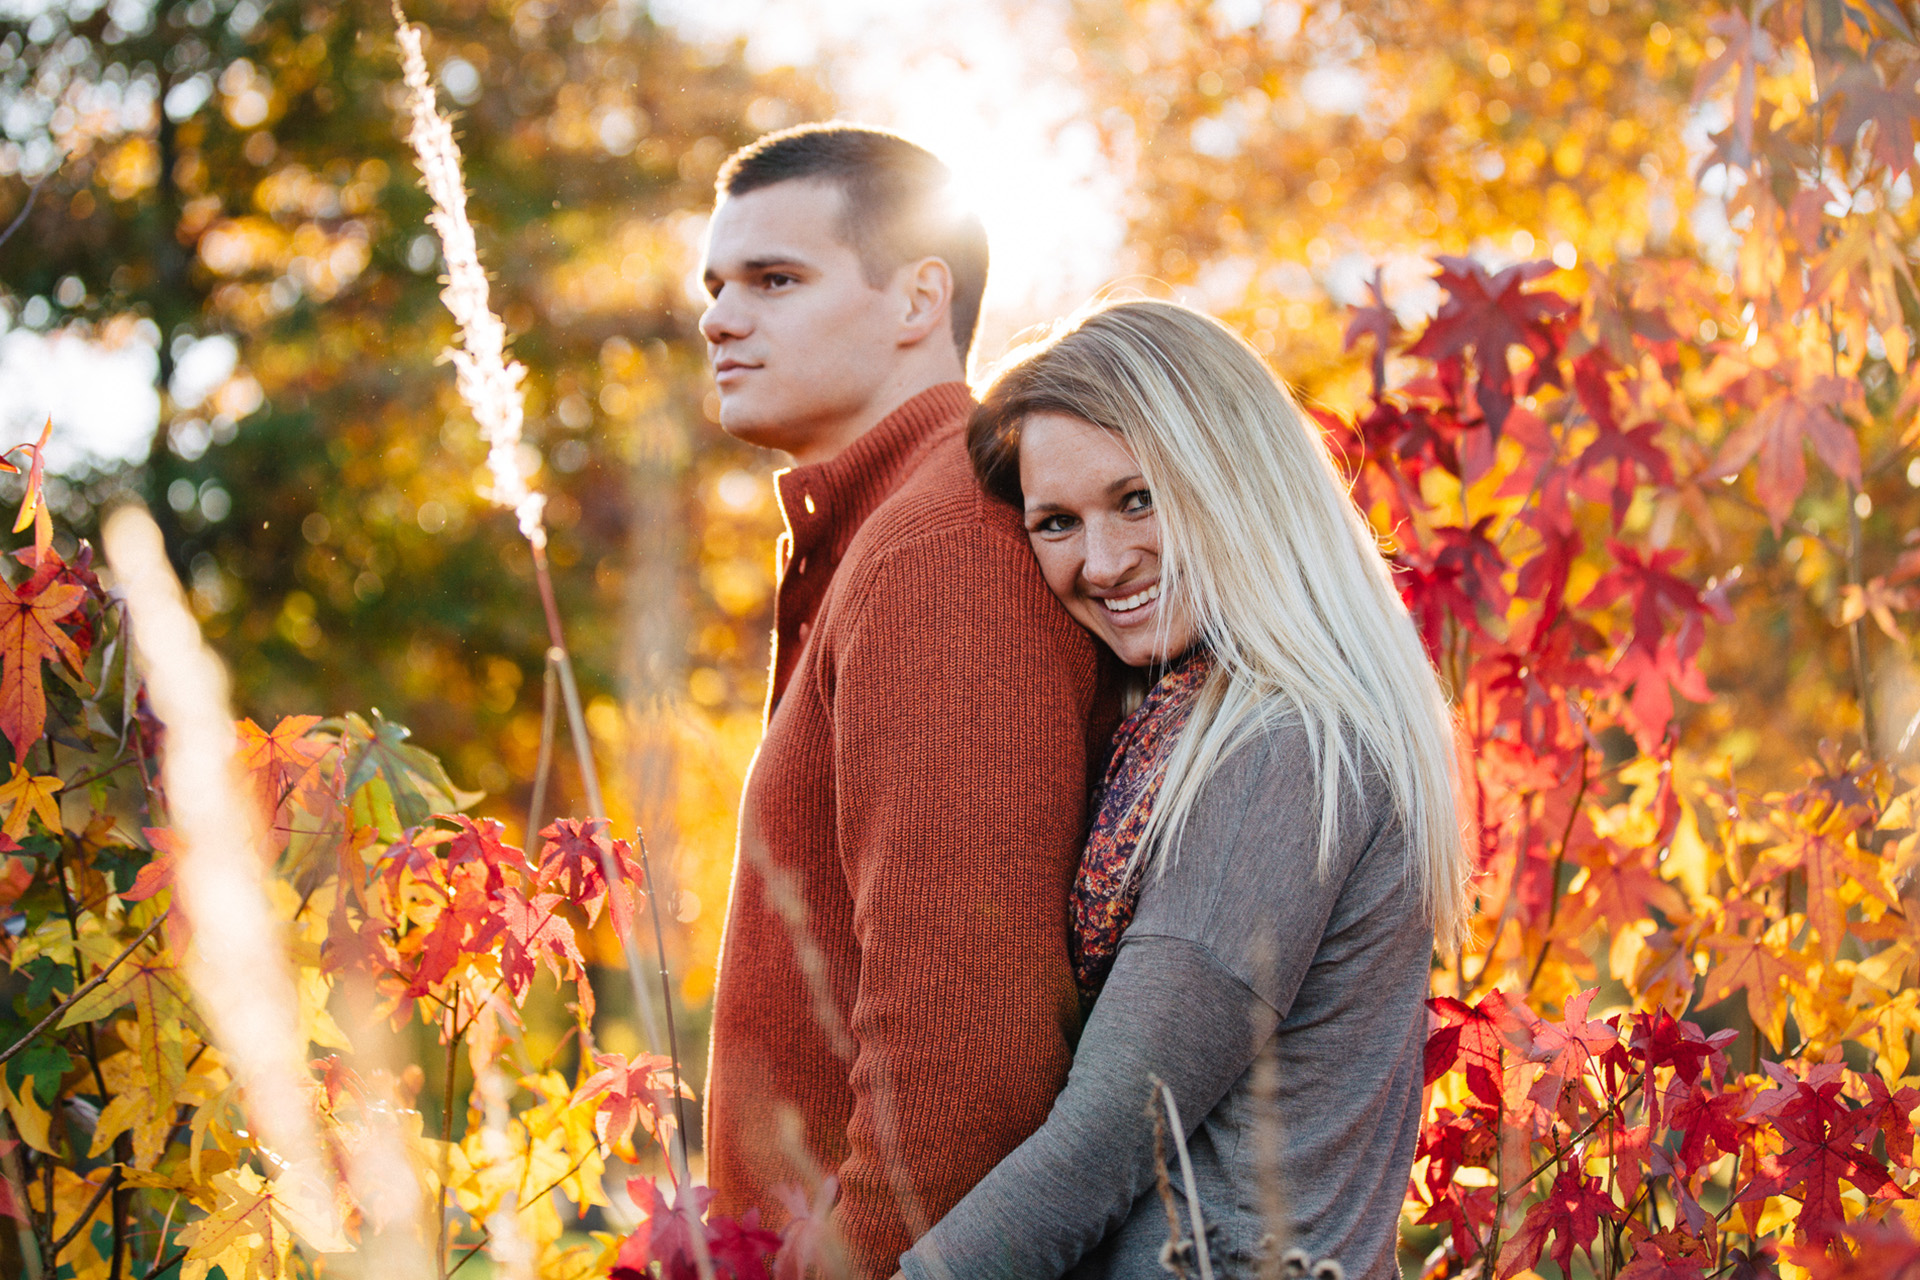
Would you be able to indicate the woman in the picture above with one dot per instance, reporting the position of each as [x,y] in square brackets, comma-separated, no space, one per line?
[1276,846]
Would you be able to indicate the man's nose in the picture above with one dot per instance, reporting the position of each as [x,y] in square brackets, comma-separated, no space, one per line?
[723,318]
[1111,554]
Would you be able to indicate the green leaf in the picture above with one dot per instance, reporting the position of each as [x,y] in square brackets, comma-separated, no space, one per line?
[45,1063]
[418,782]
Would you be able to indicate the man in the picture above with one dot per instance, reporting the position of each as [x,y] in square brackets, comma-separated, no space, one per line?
[895,1006]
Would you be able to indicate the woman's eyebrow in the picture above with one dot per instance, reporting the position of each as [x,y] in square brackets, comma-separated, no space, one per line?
[1126,482]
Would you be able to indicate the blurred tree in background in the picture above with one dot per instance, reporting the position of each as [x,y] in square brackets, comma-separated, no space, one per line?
[226,182]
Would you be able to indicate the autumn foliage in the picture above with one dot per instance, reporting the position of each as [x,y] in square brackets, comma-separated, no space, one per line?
[1559,479]
[1655,518]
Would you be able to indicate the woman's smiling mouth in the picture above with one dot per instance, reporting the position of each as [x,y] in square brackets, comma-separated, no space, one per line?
[1127,604]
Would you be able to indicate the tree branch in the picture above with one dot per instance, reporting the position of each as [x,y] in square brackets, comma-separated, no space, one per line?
[86,1214]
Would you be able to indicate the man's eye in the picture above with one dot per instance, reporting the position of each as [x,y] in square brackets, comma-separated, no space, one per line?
[1138,500]
[777,280]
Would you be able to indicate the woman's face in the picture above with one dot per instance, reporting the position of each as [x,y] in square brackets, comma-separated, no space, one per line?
[1090,519]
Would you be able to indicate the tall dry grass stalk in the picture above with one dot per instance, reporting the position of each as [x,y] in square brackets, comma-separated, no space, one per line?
[489,381]
[237,960]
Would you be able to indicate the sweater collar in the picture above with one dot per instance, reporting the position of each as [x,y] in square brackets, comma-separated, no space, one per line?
[825,503]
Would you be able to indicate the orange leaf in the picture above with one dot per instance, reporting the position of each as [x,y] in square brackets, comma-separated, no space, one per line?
[25,795]
[279,759]
[29,637]
[1753,965]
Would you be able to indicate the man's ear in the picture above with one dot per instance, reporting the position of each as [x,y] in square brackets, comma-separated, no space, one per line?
[927,290]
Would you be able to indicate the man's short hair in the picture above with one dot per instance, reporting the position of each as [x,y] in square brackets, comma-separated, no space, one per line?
[900,203]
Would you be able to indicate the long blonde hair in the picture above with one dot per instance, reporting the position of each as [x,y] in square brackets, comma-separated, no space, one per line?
[1266,551]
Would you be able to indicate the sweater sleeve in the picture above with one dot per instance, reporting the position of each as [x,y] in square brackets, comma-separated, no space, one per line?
[1169,1009]
[960,696]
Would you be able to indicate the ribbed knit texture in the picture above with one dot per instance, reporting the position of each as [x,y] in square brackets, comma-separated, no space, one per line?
[895,1004]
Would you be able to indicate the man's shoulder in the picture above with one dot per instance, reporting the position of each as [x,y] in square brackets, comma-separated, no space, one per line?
[939,506]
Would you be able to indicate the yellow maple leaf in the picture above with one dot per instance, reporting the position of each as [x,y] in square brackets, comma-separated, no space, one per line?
[141,1104]
[153,1070]
[239,1235]
[251,1231]
[26,794]
[30,1119]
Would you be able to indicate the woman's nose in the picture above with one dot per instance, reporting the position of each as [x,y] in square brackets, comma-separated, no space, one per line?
[1111,555]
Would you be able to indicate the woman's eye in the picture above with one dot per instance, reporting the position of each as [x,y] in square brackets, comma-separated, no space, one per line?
[1054,524]
[1138,500]
[776,280]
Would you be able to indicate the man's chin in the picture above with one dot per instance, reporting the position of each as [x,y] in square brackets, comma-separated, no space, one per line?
[745,425]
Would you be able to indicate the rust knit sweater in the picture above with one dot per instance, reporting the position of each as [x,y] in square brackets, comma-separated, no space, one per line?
[895,1005]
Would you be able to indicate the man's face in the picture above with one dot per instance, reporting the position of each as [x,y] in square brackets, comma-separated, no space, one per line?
[801,344]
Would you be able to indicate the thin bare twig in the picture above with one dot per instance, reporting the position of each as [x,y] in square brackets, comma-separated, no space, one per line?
[86,1215]
[1186,1176]
[33,194]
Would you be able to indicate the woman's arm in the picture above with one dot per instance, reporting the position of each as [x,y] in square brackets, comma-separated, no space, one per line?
[1169,1009]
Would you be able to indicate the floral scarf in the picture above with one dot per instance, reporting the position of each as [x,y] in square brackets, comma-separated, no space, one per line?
[1103,893]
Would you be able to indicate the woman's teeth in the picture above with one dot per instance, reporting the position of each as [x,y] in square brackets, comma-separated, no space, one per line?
[1130,603]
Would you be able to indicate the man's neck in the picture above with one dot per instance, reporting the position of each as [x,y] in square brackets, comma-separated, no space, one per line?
[893,393]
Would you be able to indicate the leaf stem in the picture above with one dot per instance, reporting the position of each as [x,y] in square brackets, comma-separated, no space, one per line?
[446,1136]
[1559,864]
[465,1258]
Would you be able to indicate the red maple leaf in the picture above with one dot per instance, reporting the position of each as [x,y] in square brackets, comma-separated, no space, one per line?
[1456,1140]
[465,925]
[1890,108]
[1796,416]
[1566,1049]
[1894,1116]
[535,931]
[29,636]
[1570,1214]
[1661,1040]
[1457,575]
[1668,1255]
[1634,452]
[637,1092]
[571,864]
[1487,315]
[483,845]
[1466,1211]
[1824,1142]
[1882,1250]
[1653,680]
[159,871]
[738,1249]
[1659,597]
[742,1247]
[1467,1037]
[1709,1125]
[1379,322]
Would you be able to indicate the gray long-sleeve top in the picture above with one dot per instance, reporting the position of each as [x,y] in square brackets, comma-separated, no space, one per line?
[1254,988]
